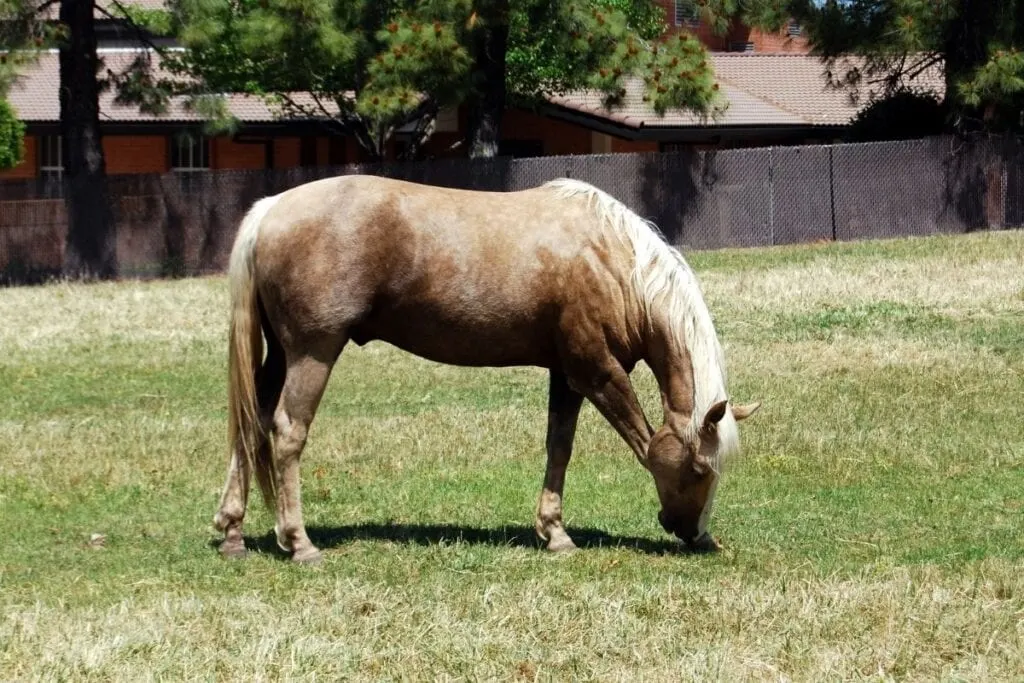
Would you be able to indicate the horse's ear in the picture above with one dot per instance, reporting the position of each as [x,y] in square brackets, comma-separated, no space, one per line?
[713,417]
[743,412]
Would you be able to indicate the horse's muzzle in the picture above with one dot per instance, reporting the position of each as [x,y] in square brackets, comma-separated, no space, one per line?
[676,527]
[688,534]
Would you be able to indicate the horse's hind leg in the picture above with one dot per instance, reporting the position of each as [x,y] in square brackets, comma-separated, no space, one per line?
[234,499]
[304,385]
[563,410]
[232,506]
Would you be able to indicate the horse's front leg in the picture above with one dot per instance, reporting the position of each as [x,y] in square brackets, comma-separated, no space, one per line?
[563,410]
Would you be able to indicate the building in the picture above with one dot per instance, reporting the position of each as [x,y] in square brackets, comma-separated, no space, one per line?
[775,90]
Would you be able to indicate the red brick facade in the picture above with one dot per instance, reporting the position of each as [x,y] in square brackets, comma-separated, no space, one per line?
[225,153]
[135,154]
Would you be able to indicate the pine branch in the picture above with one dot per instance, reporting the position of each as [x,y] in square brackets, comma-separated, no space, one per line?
[338,120]
[924,64]
[140,32]
[45,6]
[334,123]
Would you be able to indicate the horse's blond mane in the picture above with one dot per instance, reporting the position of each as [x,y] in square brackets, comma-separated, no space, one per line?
[666,284]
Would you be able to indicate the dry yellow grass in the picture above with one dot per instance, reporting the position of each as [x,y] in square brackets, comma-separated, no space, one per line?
[882,625]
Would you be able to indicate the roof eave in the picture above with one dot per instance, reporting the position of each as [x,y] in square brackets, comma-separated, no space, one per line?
[163,126]
[677,133]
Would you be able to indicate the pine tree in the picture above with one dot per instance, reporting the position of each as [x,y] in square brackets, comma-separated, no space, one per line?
[370,67]
[91,243]
[977,42]
[363,67]
[27,26]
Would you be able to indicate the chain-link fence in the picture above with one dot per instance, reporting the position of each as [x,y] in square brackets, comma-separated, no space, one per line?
[184,224]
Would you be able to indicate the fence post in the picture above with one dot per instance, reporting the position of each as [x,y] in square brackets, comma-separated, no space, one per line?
[1004,184]
[771,195]
[832,189]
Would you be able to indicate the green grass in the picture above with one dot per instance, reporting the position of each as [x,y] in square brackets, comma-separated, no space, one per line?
[872,525]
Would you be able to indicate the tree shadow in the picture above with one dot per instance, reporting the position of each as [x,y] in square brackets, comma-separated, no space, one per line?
[982,181]
[432,534]
[672,186]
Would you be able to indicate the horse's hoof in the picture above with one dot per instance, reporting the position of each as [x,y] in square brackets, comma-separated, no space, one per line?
[233,550]
[561,544]
[705,543]
[309,556]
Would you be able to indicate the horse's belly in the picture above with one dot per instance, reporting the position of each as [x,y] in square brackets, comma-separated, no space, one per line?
[499,340]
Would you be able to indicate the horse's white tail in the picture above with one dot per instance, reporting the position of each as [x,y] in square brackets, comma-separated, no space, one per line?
[245,351]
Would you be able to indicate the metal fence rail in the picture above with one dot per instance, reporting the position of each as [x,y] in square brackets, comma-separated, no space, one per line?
[172,225]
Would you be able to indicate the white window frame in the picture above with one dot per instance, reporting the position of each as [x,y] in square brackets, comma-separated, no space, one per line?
[51,165]
[51,145]
[186,146]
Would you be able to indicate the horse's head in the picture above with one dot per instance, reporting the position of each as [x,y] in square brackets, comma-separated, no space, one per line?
[684,461]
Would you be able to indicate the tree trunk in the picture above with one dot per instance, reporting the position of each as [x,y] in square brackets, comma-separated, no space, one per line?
[490,45]
[966,49]
[91,244]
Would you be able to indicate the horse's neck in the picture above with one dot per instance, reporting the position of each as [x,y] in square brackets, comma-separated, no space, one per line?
[692,376]
[671,366]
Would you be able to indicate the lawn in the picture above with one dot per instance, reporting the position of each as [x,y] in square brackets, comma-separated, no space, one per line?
[872,524]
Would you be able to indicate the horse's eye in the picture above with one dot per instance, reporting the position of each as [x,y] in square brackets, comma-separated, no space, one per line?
[701,467]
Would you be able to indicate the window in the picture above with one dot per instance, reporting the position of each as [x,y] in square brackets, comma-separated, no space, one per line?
[190,153]
[687,13]
[793,29]
[51,166]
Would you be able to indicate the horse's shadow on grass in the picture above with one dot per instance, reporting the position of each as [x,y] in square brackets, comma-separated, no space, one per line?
[435,534]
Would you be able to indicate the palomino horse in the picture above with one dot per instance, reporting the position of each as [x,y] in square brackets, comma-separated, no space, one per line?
[561,276]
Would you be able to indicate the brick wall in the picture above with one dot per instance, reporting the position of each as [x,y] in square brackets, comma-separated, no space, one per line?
[286,152]
[557,137]
[135,154]
[125,154]
[225,153]
[779,42]
[620,145]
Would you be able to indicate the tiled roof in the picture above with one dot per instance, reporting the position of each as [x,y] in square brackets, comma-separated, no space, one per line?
[744,109]
[761,90]
[797,84]
[34,96]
